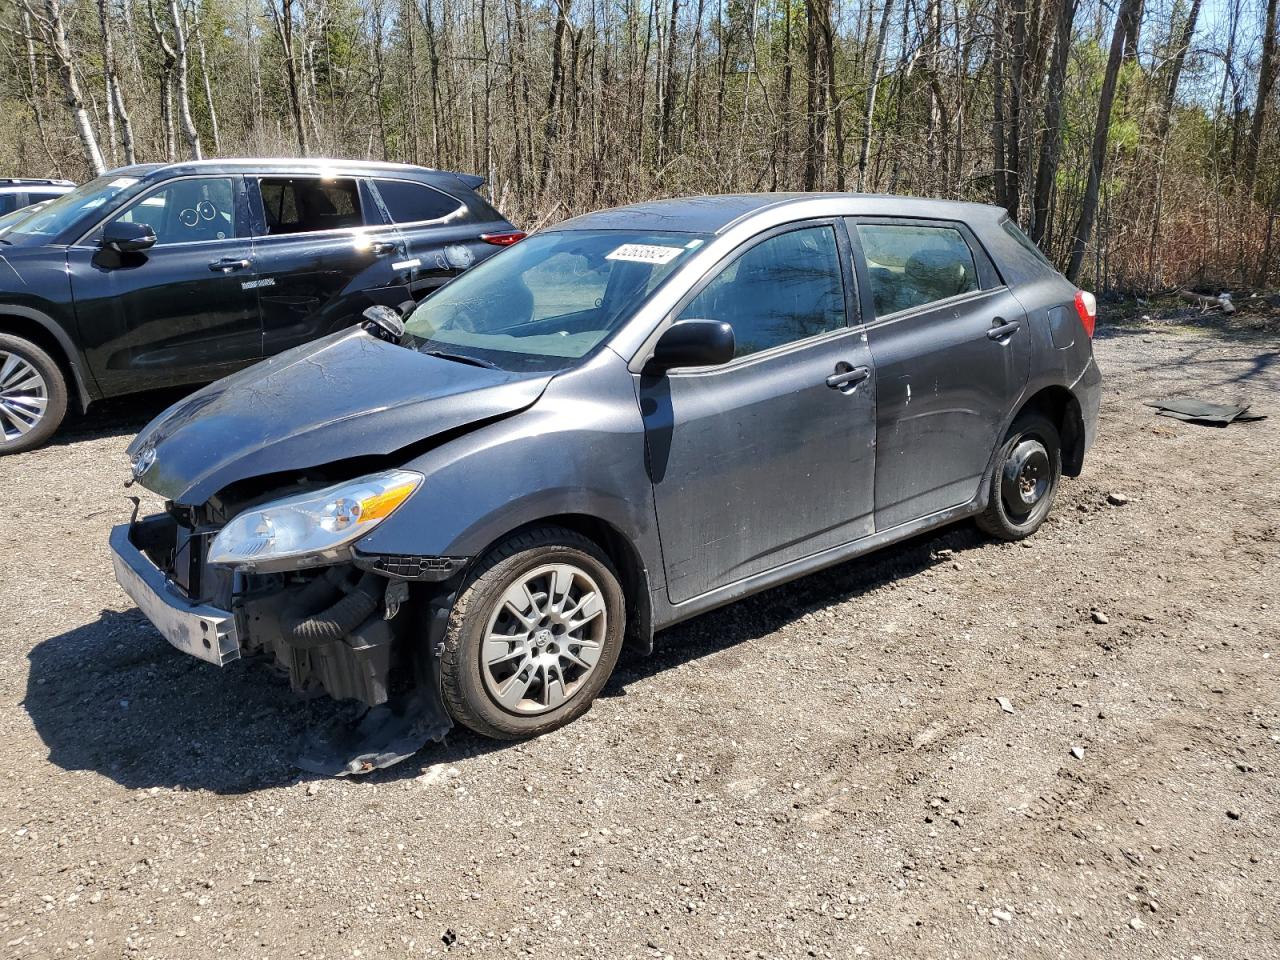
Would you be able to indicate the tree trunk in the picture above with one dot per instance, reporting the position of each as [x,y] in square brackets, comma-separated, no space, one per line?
[555,96]
[998,58]
[1162,133]
[182,64]
[1051,142]
[1130,12]
[55,35]
[1266,80]
[283,17]
[873,88]
[208,92]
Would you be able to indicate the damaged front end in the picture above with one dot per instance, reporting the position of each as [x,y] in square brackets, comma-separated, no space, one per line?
[280,580]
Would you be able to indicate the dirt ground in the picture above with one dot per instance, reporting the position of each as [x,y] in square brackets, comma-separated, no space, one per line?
[822,770]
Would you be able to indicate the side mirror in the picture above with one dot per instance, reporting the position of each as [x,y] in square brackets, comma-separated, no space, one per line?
[692,343]
[124,237]
[384,323]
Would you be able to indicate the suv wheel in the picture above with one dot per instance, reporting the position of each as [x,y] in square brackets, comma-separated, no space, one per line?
[33,395]
[534,635]
[1024,478]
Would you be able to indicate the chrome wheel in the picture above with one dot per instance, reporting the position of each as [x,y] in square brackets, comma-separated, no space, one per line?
[544,639]
[23,397]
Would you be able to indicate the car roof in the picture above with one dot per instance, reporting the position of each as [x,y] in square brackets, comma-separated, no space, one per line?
[334,165]
[716,214]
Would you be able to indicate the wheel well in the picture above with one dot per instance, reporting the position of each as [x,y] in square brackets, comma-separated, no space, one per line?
[1060,406]
[37,333]
[631,569]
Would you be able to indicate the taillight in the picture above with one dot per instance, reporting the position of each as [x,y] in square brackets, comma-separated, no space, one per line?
[503,239]
[1087,308]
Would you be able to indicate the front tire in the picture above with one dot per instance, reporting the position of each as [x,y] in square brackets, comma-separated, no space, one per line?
[33,395]
[534,635]
[1023,479]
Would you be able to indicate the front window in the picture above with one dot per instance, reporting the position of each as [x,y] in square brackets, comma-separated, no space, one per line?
[71,207]
[550,299]
[784,289]
[187,211]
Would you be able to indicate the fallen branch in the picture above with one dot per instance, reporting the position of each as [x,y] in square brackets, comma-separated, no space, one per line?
[1221,302]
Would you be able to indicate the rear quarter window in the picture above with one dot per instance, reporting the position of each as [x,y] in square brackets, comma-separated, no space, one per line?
[1022,240]
[409,202]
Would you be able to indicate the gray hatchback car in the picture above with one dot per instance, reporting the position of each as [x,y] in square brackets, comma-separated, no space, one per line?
[614,425]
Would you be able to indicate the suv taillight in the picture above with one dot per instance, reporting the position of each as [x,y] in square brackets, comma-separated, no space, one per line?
[503,239]
[1087,308]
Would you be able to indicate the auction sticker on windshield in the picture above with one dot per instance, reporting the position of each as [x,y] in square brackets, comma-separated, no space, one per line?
[644,253]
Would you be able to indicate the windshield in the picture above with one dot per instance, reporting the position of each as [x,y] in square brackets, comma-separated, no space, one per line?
[9,220]
[550,299]
[67,209]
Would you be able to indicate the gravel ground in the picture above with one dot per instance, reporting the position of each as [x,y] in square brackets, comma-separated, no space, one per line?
[822,770]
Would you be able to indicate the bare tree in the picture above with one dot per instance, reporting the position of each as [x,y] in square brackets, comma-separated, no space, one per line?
[1051,140]
[54,31]
[1125,27]
[1266,81]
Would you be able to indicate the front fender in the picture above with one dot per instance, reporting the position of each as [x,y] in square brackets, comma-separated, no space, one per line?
[579,450]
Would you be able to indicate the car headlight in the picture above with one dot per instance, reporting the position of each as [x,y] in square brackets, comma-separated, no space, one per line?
[312,528]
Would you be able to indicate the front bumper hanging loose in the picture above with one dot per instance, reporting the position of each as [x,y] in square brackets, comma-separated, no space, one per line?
[200,630]
[386,729]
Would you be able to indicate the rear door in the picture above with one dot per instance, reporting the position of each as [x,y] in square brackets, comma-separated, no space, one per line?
[769,458]
[182,311]
[321,254]
[440,234]
[952,355]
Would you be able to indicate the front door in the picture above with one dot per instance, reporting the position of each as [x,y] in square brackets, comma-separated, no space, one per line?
[769,458]
[181,311]
[952,354]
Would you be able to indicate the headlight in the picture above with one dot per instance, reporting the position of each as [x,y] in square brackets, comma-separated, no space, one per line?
[314,527]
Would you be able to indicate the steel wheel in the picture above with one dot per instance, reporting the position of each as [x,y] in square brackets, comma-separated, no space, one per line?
[1026,478]
[1024,474]
[544,639]
[24,397]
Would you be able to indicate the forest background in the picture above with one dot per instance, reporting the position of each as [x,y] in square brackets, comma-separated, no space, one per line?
[1136,142]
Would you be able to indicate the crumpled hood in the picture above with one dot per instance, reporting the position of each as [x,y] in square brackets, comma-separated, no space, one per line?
[346,395]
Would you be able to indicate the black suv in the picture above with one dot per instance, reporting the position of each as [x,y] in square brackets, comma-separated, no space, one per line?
[161,275]
[19,192]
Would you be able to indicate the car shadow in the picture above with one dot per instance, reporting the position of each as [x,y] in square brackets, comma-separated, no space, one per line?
[112,697]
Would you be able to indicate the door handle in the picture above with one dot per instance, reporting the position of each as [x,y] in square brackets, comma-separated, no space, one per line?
[1003,328]
[383,246]
[847,378]
[227,264]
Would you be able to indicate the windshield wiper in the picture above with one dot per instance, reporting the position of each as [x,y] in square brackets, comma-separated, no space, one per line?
[461,358]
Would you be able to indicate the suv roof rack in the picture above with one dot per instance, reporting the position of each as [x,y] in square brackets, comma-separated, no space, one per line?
[43,181]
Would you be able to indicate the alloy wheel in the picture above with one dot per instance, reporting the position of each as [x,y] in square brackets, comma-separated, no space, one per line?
[544,639]
[23,397]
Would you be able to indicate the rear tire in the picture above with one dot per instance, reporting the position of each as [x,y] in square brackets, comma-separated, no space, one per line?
[33,395]
[1023,478]
[533,636]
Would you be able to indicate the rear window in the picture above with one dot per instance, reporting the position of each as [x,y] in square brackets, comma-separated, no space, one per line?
[8,202]
[304,204]
[413,202]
